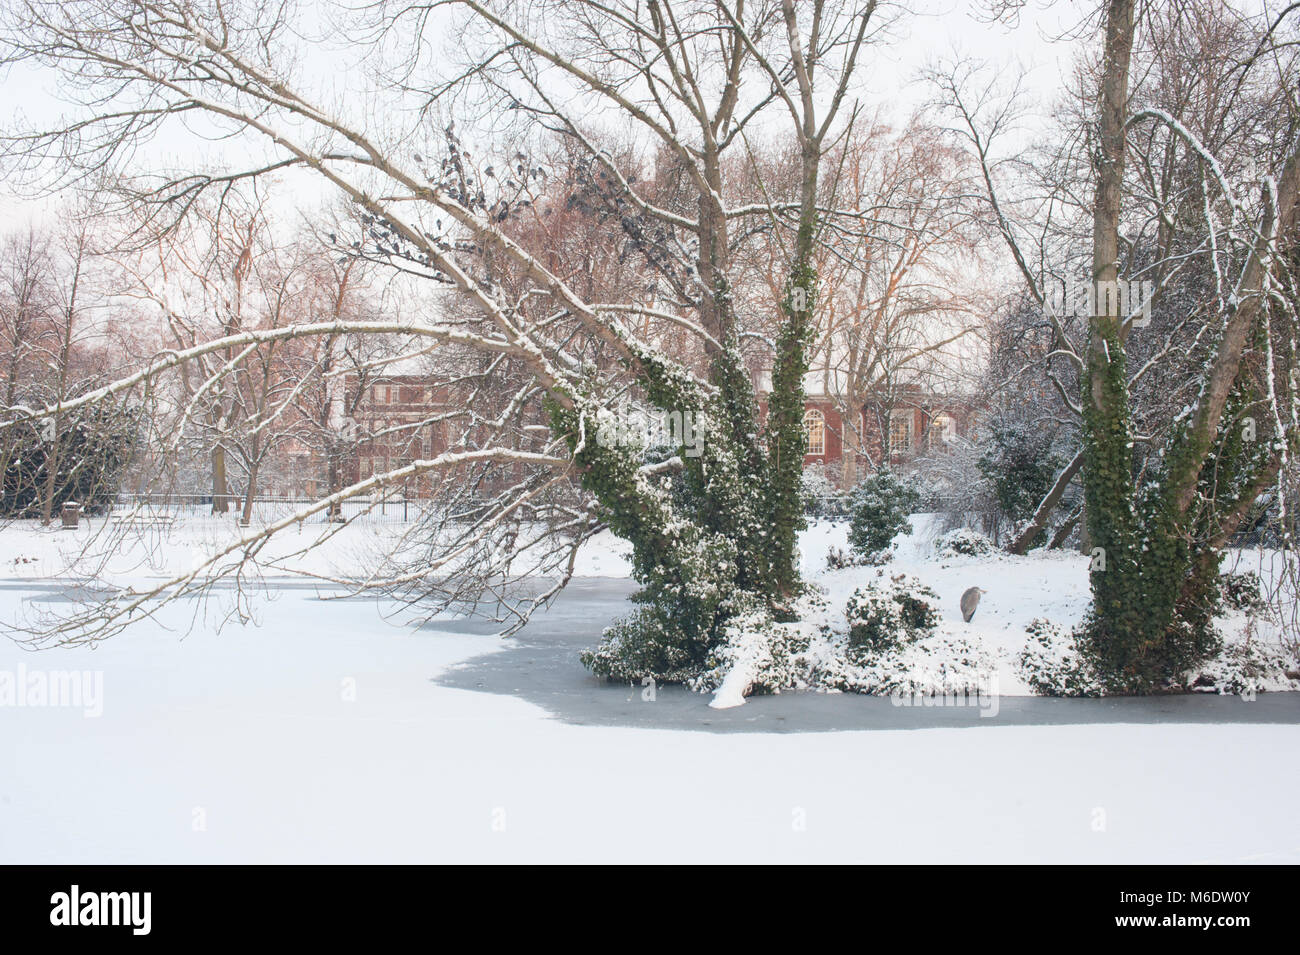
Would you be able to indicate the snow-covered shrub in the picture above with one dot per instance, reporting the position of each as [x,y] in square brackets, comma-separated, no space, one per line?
[964,542]
[645,643]
[1243,592]
[1020,460]
[821,498]
[879,508]
[937,663]
[1055,664]
[688,595]
[839,559]
[1246,668]
[889,611]
[760,655]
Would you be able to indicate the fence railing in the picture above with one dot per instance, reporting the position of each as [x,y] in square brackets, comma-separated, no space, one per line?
[267,510]
[396,509]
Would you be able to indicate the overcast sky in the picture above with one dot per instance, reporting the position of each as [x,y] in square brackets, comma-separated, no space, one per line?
[932,29]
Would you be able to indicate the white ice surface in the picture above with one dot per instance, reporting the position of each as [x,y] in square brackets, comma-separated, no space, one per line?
[248,733]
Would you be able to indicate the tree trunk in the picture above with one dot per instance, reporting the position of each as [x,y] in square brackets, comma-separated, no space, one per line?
[219,499]
[246,516]
[1156,555]
[849,469]
[1062,532]
[1038,523]
[787,438]
[333,478]
[51,473]
[1109,487]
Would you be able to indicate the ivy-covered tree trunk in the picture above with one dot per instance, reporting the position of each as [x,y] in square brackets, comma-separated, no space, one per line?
[731,486]
[1109,487]
[1157,547]
[706,536]
[1132,586]
[787,437]
[721,537]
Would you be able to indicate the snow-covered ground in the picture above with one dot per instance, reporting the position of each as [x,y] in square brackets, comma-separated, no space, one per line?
[99,549]
[319,735]
[1019,589]
[1050,585]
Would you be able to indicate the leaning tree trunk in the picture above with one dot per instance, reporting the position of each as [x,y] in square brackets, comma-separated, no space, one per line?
[1042,514]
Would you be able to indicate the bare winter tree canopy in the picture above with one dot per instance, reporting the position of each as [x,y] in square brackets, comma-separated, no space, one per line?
[691,85]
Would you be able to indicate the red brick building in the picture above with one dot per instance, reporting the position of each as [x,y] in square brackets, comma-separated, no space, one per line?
[400,419]
[915,423]
[403,418]
[406,418]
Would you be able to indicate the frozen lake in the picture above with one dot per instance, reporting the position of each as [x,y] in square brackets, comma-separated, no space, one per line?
[325,734]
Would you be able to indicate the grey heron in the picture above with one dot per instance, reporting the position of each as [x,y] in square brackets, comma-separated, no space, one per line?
[969,601]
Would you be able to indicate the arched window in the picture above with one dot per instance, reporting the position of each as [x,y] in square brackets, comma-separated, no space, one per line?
[814,422]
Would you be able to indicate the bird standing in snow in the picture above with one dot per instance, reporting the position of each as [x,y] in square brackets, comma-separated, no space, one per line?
[969,601]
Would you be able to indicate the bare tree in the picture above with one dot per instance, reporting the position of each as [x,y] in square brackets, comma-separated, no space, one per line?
[908,300]
[25,302]
[692,76]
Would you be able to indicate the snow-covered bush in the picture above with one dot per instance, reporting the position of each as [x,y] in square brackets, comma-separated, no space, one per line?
[964,542]
[879,509]
[838,559]
[1019,458]
[760,655]
[821,498]
[1245,668]
[937,663]
[687,597]
[1054,663]
[1243,592]
[645,643]
[890,611]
